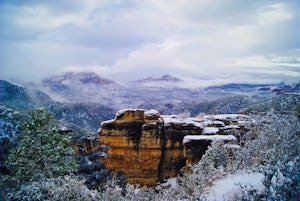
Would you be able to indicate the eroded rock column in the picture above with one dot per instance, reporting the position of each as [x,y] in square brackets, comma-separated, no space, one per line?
[135,145]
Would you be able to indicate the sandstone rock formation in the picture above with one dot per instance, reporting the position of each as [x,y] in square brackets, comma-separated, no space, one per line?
[86,146]
[149,147]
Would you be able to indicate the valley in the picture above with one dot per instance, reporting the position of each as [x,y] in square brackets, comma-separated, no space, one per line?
[84,105]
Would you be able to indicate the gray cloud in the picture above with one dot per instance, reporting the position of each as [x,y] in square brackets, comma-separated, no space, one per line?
[133,39]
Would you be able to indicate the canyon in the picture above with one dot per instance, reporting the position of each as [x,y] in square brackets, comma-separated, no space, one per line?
[148,147]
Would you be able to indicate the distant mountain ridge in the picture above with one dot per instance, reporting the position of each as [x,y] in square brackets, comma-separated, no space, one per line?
[26,99]
[164,78]
[22,98]
[236,86]
[84,77]
[83,86]
[89,97]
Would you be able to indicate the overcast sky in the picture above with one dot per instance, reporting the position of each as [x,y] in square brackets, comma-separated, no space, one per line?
[227,40]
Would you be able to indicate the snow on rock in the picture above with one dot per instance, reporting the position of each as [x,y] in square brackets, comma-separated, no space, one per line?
[226,116]
[208,122]
[219,123]
[176,119]
[189,138]
[232,127]
[211,123]
[151,113]
[226,121]
[147,113]
[229,187]
[210,130]
[123,111]
[106,122]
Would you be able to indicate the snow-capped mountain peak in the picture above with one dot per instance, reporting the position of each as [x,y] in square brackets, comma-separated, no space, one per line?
[84,77]
[82,86]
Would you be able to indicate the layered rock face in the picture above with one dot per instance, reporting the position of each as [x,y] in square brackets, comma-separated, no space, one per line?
[135,145]
[149,147]
[86,146]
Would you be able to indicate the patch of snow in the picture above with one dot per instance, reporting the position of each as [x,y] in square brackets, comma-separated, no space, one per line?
[210,130]
[106,122]
[232,146]
[102,154]
[123,111]
[175,119]
[151,113]
[232,127]
[219,123]
[170,183]
[87,160]
[208,122]
[226,116]
[228,187]
[189,138]
[177,101]
[64,128]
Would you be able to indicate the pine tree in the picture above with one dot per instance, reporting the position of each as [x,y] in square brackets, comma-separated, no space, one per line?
[43,151]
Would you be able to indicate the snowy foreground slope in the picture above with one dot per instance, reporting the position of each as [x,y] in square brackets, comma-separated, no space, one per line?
[226,188]
[229,187]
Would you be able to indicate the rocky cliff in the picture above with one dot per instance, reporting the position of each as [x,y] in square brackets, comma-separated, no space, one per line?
[149,147]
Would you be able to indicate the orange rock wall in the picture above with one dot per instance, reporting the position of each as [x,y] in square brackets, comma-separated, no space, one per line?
[135,147]
[149,148]
[142,148]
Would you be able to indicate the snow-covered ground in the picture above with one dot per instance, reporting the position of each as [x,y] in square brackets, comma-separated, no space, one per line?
[189,138]
[229,187]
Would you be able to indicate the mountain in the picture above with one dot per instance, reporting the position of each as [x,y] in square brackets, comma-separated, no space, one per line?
[22,98]
[164,78]
[226,105]
[167,93]
[86,99]
[25,99]
[89,88]
[237,87]
[79,78]
[80,87]
[85,115]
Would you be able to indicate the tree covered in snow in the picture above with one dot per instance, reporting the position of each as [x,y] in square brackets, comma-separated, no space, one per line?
[55,189]
[283,181]
[276,152]
[43,151]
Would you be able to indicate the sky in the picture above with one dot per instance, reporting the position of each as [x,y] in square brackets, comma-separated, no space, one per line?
[217,41]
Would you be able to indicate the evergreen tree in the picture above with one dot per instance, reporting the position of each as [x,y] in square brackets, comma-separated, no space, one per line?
[43,151]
